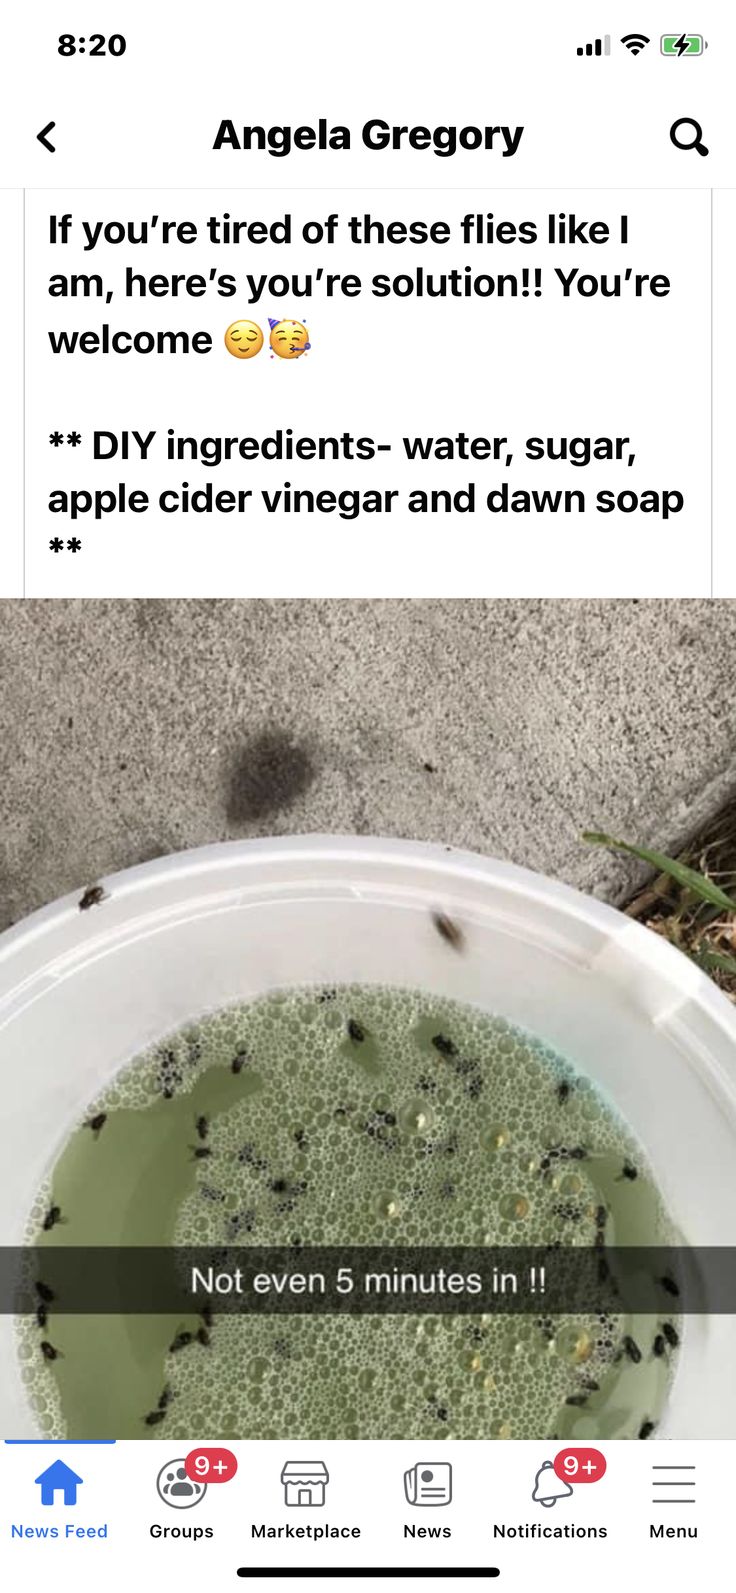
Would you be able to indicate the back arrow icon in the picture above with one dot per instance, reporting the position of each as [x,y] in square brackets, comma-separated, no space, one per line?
[42,139]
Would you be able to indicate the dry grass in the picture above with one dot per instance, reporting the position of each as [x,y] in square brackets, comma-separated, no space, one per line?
[692,898]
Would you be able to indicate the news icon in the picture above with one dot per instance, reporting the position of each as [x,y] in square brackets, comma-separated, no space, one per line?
[428,1483]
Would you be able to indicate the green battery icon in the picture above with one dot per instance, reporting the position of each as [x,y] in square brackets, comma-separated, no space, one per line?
[682,44]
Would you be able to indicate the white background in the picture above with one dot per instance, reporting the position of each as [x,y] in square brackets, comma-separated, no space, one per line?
[512,367]
[492,1483]
[596,135]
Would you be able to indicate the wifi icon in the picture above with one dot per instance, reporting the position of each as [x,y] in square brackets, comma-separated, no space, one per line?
[634,42]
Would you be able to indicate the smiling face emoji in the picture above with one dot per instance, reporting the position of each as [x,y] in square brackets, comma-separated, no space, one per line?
[244,339]
[289,339]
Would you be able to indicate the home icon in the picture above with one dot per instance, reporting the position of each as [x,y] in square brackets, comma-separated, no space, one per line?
[304,1482]
[58,1478]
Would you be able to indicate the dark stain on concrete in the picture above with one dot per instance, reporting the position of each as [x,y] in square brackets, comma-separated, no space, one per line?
[269,773]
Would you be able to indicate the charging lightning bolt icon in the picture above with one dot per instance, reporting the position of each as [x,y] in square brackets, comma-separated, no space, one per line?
[683,44]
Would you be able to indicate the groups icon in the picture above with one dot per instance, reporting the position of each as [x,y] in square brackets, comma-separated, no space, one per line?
[176,1488]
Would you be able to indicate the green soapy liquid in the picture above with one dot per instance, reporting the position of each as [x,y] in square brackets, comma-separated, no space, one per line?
[337,1140]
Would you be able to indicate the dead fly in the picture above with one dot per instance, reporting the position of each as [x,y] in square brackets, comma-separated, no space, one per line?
[564,1091]
[44,1292]
[577,1399]
[631,1348]
[239,1060]
[248,1157]
[239,1222]
[169,1073]
[208,1316]
[449,931]
[92,897]
[53,1216]
[600,1216]
[590,1384]
[96,1123]
[628,1172]
[203,1127]
[671,1334]
[179,1342]
[154,1417]
[567,1211]
[646,1430]
[443,1045]
[48,1352]
[203,1336]
[356,1031]
[165,1398]
[42,1316]
[659,1346]
[669,1285]
[200,1152]
[563,1153]
[290,1190]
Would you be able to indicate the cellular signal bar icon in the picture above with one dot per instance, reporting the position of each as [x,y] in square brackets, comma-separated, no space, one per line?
[597,47]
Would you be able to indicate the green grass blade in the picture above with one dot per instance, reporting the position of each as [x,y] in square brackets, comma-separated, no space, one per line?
[715,960]
[688,878]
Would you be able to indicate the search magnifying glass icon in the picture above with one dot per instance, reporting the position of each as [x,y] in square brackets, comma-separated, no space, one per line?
[688,134]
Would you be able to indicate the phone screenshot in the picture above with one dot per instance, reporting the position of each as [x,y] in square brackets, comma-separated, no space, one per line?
[367,796]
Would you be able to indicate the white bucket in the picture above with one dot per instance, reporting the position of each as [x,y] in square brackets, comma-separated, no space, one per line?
[81,993]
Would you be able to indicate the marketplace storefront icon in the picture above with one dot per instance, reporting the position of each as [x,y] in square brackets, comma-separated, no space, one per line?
[304,1482]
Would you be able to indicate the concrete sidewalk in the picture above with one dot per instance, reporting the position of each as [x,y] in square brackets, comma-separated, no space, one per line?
[133,728]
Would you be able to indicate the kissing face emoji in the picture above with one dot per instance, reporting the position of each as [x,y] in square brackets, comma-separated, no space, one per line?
[289,339]
[244,339]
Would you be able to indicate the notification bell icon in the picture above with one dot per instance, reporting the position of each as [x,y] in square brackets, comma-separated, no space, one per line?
[548,1487]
